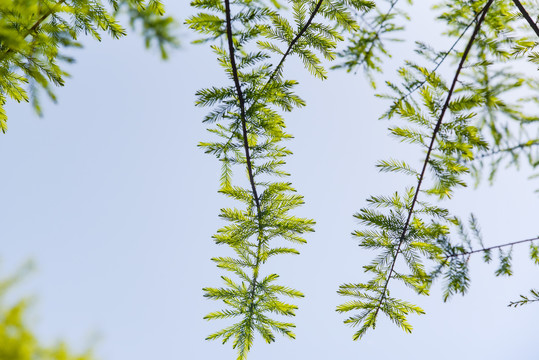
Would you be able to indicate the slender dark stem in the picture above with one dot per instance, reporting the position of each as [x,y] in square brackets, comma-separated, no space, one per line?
[492,247]
[287,52]
[510,149]
[379,30]
[243,116]
[431,146]
[527,16]
[241,101]
[285,55]
[439,63]
[294,41]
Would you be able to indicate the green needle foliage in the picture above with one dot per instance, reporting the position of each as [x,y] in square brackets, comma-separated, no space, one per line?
[34,35]
[458,126]
[256,39]
[17,340]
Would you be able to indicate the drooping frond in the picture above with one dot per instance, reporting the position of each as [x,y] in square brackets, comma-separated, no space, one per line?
[246,118]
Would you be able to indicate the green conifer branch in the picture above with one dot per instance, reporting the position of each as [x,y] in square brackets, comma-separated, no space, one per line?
[524,300]
[429,151]
[32,45]
[241,103]
[43,18]
[250,130]
[279,66]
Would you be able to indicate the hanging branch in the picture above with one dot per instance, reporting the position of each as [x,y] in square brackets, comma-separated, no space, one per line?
[410,229]
[252,104]
[430,148]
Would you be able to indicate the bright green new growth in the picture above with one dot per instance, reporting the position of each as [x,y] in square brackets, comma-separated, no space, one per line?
[34,34]
[18,341]
[452,125]
[259,38]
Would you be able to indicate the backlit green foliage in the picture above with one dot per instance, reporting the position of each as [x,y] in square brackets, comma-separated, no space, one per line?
[247,121]
[34,35]
[17,340]
[459,127]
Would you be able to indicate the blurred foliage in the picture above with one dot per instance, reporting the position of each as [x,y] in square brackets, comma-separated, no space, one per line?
[18,341]
[34,35]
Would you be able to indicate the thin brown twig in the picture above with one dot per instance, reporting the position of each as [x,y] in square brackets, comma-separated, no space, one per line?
[281,62]
[288,50]
[491,248]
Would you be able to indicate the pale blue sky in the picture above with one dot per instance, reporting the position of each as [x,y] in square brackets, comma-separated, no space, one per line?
[111,197]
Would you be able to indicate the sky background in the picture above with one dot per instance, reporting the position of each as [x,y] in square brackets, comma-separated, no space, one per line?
[111,198]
